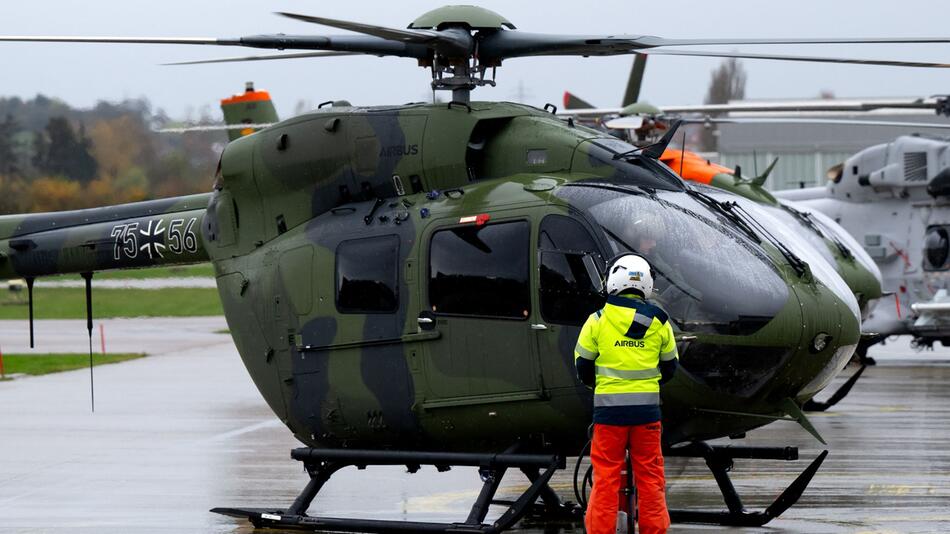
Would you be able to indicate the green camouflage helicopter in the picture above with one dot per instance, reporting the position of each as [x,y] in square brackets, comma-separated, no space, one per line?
[405,284]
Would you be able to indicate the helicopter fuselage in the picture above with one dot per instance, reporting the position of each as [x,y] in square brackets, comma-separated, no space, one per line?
[415,277]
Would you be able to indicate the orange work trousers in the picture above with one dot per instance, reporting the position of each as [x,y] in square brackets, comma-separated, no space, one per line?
[607,454]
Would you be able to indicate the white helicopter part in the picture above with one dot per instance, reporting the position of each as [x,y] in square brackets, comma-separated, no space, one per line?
[625,123]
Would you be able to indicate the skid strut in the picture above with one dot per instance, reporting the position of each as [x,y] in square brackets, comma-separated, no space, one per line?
[719,459]
[818,406]
[321,464]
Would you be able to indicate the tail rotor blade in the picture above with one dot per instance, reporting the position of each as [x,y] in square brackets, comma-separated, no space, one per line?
[632,93]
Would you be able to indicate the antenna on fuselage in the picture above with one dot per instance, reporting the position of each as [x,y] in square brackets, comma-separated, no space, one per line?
[656,149]
[683,153]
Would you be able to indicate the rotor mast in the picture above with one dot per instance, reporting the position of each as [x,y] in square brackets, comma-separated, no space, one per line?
[460,77]
[455,62]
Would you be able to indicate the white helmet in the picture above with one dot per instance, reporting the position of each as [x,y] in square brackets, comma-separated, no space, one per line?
[630,272]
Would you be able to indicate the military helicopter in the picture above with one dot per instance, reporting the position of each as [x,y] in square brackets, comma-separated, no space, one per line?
[835,245]
[405,284]
[891,197]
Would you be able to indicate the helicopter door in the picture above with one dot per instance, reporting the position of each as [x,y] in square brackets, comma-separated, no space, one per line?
[569,290]
[478,295]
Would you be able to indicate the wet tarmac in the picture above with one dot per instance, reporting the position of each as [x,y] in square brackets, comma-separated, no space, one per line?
[184,430]
[148,335]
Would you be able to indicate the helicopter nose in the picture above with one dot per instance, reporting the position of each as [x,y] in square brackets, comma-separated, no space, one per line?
[830,335]
[829,325]
[792,356]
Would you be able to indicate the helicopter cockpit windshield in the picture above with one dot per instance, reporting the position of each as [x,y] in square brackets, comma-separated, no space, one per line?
[829,227]
[709,277]
[821,268]
[809,234]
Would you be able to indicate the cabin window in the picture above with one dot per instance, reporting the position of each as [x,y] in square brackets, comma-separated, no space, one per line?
[567,291]
[937,248]
[481,270]
[367,275]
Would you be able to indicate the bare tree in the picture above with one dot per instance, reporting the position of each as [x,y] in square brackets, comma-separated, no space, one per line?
[726,83]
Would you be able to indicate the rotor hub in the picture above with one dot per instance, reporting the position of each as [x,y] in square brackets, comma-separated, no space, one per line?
[475,18]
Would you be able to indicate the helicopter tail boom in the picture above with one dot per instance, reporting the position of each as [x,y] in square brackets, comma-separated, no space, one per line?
[128,236]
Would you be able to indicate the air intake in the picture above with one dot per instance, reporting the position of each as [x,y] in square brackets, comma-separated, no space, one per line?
[915,166]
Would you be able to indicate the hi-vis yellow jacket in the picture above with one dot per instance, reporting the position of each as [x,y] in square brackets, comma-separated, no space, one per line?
[626,341]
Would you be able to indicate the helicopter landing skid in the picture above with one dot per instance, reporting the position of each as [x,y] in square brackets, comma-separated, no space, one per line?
[321,464]
[719,459]
[817,406]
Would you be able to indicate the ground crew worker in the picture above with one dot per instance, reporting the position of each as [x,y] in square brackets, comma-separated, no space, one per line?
[625,351]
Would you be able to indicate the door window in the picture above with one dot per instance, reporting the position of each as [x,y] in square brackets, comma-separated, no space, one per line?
[481,270]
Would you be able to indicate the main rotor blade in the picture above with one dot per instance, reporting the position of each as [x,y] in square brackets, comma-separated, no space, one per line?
[453,41]
[409,36]
[265,58]
[341,43]
[807,106]
[846,122]
[587,112]
[135,40]
[810,59]
[660,41]
[508,44]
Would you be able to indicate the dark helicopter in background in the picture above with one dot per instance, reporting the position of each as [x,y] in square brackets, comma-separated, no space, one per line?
[405,284]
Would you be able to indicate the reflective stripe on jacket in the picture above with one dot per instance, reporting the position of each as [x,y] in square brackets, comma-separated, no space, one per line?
[626,340]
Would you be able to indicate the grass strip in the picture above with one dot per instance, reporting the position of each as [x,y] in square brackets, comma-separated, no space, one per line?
[204,270]
[43,364]
[70,303]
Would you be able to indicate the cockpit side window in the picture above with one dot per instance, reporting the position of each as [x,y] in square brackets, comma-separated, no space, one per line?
[566,291]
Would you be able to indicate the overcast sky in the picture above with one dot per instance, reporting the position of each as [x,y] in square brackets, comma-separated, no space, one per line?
[81,74]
